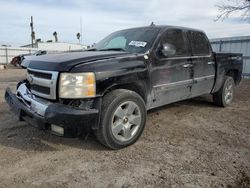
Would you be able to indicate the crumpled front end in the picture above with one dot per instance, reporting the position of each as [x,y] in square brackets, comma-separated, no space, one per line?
[55,117]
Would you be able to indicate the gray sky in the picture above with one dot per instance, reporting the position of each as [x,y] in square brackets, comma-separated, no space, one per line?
[100,18]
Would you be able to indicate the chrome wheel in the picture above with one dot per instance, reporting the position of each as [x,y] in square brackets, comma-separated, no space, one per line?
[229,93]
[126,121]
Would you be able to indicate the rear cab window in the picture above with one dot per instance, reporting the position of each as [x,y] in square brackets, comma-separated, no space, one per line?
[199,43]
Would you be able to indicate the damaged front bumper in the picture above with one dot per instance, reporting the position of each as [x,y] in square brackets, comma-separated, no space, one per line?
[59,119]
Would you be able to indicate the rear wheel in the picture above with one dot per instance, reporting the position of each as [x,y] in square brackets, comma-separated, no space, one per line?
[225,95]
[122,120]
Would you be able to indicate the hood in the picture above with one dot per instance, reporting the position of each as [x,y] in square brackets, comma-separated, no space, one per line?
[65,61]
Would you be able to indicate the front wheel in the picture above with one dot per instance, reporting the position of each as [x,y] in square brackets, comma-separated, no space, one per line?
[123,119]
[225,95]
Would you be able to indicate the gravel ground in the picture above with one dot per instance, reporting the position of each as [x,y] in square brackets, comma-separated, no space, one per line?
[187,144]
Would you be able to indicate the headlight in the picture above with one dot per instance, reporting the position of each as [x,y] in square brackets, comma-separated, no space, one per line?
[77,85]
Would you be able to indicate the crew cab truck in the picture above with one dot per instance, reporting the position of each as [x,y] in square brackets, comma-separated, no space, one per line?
[109,88]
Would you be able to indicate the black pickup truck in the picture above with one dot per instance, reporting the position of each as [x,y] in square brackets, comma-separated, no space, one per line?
[109,88]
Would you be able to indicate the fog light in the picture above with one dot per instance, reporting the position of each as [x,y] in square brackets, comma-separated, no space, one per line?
[58,130]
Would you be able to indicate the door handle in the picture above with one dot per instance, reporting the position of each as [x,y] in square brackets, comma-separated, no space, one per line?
[210,63]
[187,65]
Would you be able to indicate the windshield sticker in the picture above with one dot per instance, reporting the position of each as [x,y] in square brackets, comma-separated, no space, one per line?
[137,43]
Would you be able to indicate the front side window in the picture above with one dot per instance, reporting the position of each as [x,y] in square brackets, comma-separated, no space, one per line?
[199,43]
[175,38]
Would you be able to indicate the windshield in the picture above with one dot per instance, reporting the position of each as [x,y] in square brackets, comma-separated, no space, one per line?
[132,40]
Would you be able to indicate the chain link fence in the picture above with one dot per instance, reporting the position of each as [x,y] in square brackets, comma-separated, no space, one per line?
[7,53]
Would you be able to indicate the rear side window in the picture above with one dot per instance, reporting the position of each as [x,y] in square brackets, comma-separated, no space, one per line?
[199,43]
[176,38]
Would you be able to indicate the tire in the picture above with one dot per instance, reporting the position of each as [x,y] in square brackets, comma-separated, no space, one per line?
[225,95]
[118,119]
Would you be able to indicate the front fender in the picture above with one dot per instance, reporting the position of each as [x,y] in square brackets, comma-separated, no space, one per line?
[117,71]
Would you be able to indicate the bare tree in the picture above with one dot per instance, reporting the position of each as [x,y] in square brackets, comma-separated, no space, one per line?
[234,6]
[55,35]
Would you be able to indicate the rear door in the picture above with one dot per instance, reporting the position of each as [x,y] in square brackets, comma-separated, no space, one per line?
[171,76]
[203,63]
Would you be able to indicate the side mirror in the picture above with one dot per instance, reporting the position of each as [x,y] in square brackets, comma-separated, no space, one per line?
[168,50]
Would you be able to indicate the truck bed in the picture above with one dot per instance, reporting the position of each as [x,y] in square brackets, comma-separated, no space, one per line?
[227,64]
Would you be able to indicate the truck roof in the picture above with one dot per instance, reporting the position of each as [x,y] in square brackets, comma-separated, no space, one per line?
[163,27]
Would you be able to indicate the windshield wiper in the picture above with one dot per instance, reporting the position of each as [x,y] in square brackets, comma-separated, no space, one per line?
[112,49]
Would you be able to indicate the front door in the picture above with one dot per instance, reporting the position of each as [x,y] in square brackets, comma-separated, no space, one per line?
[172,76]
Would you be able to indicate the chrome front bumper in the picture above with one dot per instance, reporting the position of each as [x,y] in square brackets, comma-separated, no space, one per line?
[47,115]
[35,104]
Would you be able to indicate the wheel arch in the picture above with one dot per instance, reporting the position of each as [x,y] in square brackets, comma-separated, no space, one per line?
[220,75]
[234,73]
[138,87]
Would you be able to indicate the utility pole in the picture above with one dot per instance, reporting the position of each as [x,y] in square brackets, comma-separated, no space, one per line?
[80,30]
[32,32]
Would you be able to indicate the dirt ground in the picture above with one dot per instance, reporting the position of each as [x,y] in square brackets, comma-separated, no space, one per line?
[186,144]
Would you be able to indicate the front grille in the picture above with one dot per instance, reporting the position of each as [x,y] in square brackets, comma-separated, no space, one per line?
[40,74]
[43,83]
[40,89]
